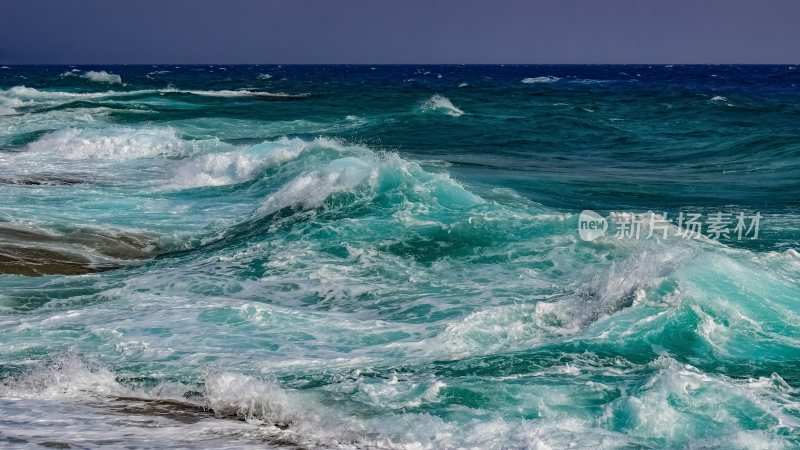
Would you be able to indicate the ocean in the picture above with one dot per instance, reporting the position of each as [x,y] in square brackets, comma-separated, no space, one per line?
[404,257]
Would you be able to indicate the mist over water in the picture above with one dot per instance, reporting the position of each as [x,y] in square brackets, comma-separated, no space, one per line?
[389,257]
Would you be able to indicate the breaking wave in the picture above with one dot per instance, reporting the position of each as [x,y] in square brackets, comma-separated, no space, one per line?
[116,143]
[103,77]
[443,104]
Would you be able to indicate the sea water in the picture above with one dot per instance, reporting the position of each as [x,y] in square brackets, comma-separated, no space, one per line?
[392,257]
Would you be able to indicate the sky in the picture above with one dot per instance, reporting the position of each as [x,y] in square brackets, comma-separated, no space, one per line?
[399,32]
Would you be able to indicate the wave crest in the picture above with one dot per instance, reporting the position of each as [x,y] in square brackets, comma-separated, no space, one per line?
[118,143]
[443,104]
[218,169]
[545,79]
[22,96]
[103,77]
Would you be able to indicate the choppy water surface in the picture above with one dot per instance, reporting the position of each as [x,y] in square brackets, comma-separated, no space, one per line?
[389,257]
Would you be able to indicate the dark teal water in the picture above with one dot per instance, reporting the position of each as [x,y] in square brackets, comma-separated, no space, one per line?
[390,256]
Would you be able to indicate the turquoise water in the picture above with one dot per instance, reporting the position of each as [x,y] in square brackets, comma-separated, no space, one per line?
[390,257]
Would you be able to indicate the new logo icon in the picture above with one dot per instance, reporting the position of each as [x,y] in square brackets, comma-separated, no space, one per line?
[591,225]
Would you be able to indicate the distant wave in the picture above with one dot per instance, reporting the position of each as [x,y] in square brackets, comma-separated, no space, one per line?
[23,93]
[547,79]
[103,77]
[20,96]
[237,93]
[592,81]
[442,103]
[70,73]
[156,72]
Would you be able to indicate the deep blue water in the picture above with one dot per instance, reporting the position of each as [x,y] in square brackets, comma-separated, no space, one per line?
[389,256]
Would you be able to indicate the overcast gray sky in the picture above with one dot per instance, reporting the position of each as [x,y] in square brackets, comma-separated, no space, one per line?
[387,31]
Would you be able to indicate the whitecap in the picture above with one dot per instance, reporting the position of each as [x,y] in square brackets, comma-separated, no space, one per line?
[546,79]
[18,96]
[237,93]
[103,77]
[66,375]
[118,143]
[442,103]
[310,189]
[217,169]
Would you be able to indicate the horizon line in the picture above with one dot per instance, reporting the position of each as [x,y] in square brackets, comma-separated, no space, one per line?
[404,64]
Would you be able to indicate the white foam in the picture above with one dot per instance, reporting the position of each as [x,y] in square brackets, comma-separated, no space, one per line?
[463,85]
[442,103]
[264,76]
[68,380]
[119,143]
[248,398]
[719,98]
[237,93]
[546,79]
[78,399]
[65,375]
[22,94]
[667,403]
[103,77]
[366,174]
[48,120]
[18,96]
[311,189]
[216,169]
